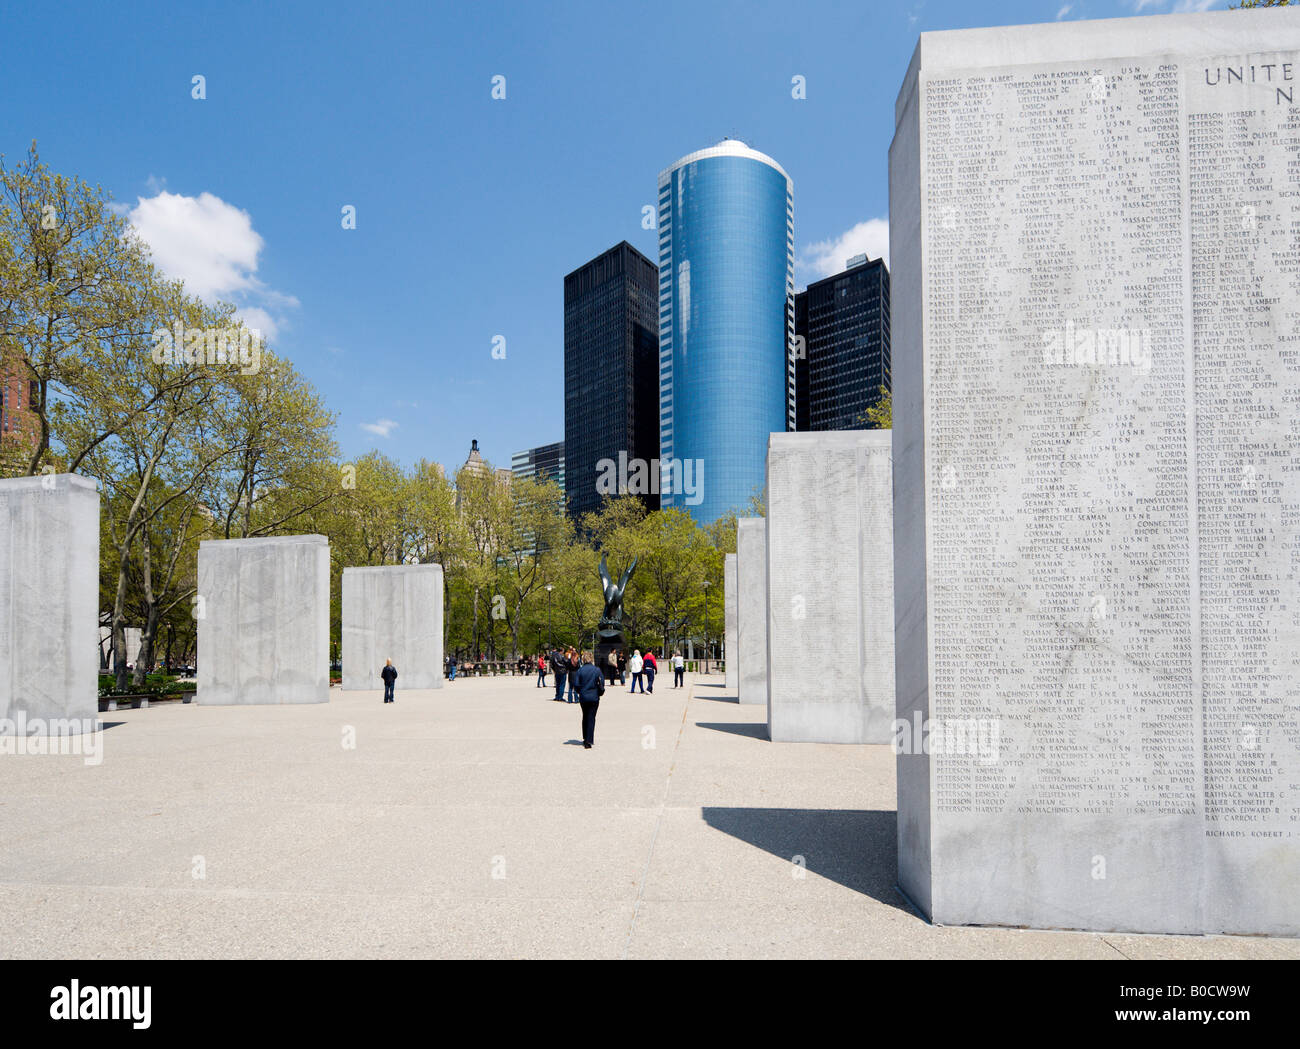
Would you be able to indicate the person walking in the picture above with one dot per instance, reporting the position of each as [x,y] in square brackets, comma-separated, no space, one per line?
[541,669]
[679,669]
[591,686]
[636,665]
[574,665]
[451,668]
[651,669]
[622,666]
[561,668]
[611,665]
[389,674]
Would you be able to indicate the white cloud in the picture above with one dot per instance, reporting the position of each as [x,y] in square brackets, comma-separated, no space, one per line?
[1065,10]
[256,317]
[209,244]
[382,427]
[212,246]
[824,257]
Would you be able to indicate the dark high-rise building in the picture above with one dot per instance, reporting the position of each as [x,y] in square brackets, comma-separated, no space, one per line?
[611,376]
[844,323]
[544,463]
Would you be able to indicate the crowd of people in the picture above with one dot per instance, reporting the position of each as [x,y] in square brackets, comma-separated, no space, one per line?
[564,663]
[586,682]
[578,671]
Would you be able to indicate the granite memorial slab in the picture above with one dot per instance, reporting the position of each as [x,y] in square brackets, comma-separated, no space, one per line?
[49,603]
[730,652]
[830,587]
[1096,374]
[263,609]
[751,610]
[392,612]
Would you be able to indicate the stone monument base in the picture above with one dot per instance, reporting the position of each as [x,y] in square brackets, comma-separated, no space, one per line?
[601,654]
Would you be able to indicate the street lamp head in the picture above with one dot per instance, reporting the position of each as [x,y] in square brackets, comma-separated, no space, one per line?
[549,587]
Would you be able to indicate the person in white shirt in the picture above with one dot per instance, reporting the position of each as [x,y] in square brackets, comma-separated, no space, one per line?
[636,665]
[679,669]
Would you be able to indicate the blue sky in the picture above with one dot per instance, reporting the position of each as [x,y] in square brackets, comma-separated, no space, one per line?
[469,210]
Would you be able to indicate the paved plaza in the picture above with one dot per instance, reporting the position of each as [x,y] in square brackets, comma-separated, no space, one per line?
[469,822]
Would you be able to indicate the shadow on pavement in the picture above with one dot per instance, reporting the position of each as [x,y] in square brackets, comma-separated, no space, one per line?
[758,731]
[855,847]
[718,699]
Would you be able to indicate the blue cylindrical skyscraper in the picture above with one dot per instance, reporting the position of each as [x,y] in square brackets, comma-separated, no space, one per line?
[726,322]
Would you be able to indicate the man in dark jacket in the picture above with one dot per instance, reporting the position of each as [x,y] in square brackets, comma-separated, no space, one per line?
[389,674]
[560,664]
[590,684]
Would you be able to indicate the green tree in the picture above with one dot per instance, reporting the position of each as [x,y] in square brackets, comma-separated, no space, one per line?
[282,434]
[676,560]
[153,465]
[77,295]
[880,416]
[722,533]
[577,598]
[538,527]
[487,512]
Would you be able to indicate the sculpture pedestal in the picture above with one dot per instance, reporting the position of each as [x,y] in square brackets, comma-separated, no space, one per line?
[604,646]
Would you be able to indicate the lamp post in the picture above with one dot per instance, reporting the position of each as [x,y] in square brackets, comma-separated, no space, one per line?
[706,626]
[550,601]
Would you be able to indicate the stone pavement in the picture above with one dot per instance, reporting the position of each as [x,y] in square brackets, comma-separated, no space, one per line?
[468,822]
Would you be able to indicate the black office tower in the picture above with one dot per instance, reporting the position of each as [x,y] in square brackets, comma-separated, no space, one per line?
[844,322]
[611,376]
